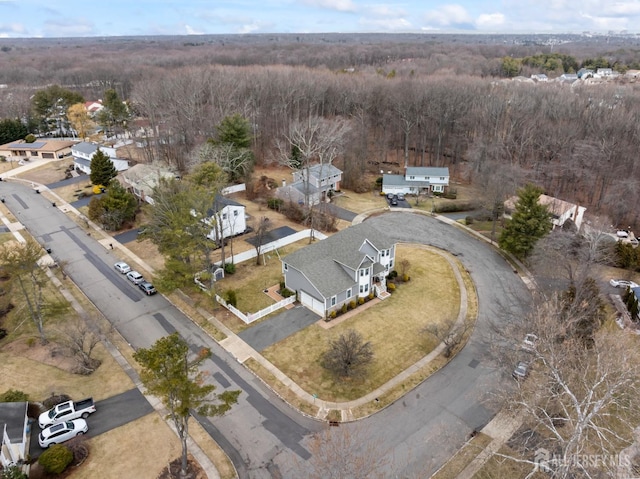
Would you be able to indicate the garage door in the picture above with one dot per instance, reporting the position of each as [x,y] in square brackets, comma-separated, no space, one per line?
[312,303]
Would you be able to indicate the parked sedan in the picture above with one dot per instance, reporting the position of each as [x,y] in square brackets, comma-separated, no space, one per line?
[521,370]
[122,267]
[135,277]
[148,288]
[529,342]
[61,432]
[394,201]
[401,196]
[622,283]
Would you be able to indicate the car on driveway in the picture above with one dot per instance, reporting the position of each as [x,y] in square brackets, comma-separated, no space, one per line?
[521,370]
[135,277]
[400,197]
[529,342]
[122,267]
[394,201]
[389,196]
[148,288]
[622,283]
[61,432]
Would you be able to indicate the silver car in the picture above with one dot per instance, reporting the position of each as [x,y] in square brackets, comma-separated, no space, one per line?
[122,267]
[135,277]
[521,371]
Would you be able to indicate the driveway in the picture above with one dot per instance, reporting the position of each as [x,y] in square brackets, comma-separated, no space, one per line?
[69,181]
[341,213]
[111,413]
[127,236]
[281,326]
[272,235]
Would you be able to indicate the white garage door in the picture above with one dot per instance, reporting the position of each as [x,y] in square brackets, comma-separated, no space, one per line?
[312,303]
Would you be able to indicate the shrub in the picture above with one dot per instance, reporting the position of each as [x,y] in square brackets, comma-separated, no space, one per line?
[231,298]
[391,287]
[282,285]
[393,274]
[54,400]
[379,182]
[344,308]
[372,295]
[333,314]
[361,301]
[405,278]
[30,138]
[31,342]
[13,395]
[274,204]
[56,459]
[468,220]
[352,304]
[229,268]
[286,293]
[13,472]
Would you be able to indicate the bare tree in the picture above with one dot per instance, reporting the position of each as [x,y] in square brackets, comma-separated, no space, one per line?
[350,451]
[348,356]
[449,335]
[581,398]
[81,341]
[261,230]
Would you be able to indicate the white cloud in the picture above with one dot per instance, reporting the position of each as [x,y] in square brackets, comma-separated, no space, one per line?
[448,15]
[490,20]
[386,24]
[339,5]
[192,31]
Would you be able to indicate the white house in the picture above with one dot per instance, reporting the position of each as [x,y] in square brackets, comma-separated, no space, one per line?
[141,179]
[14,427]
[83,154]
[227,217]
[416,180]
[322,179]
[560,210]
[93,107]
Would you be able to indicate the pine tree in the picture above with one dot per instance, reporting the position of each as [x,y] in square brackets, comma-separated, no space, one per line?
[102,169]
[529,222]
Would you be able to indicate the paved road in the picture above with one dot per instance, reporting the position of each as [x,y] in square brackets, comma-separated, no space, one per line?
[258,428]
[262,435]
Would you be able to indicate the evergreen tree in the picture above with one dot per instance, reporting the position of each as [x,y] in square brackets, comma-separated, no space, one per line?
[171,375]
[114,208]
[236,130]
[102,169]
[529,222]
[11,130]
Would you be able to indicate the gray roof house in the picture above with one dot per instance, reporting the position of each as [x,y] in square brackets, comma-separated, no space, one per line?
[83,154]
[14,427]
[322,179]
[416,180]
[349,265]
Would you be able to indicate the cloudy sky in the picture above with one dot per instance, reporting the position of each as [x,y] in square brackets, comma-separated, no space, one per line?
[81,18]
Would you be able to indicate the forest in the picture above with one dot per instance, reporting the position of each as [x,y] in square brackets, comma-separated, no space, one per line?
[417,100]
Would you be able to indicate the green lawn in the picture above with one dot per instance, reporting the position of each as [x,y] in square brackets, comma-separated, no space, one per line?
[393,326]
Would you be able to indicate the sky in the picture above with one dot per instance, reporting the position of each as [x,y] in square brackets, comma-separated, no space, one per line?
[91,18]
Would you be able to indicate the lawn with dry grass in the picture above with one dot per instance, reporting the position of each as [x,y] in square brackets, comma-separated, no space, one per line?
[74,191]
[393,327]
[360,202]
[250,280]
[463,457]
[48,172]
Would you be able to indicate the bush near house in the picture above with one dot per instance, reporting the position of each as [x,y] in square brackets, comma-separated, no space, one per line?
[56,459]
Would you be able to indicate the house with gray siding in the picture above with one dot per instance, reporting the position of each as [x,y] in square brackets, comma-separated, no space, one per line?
[311,185]
[349,265]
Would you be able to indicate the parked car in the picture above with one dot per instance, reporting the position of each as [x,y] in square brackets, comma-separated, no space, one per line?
[135,277]
[400,196]
[61,432]
[521,370]
[394,201]
[529,342]
[122,267]
[148,288]
[622,283]
[67,410]
[389,196]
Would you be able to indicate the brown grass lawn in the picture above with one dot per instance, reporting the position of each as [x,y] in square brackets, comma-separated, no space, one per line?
[250,280]
[71,192]
[49,172]
[463,457]
[131,451]
[393,327]
[360,202]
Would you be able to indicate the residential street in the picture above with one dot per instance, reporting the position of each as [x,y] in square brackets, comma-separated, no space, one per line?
[264,436]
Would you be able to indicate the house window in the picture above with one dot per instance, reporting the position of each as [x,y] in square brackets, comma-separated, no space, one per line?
[348,293]
[391,264]
[333,300]
[361,289]
[412,177]
[286,267]
[224,216]
[366,288]
[235,212]
[442,178]
[34,153]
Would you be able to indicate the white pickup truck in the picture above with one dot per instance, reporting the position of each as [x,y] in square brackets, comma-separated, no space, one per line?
[67,411]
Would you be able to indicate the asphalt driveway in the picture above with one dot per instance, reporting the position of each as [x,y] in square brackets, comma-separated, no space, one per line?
[279,327]
[272,235]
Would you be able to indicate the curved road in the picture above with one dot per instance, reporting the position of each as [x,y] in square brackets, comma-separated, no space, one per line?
[264,437]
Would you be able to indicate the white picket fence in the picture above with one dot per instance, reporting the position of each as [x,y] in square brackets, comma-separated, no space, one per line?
[267,248]
[251,317]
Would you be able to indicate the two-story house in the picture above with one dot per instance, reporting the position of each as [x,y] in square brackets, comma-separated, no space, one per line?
[83,154]
[417,180]
[141,179]
[311,185]
[560,210]
[227,218]
[342,268]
